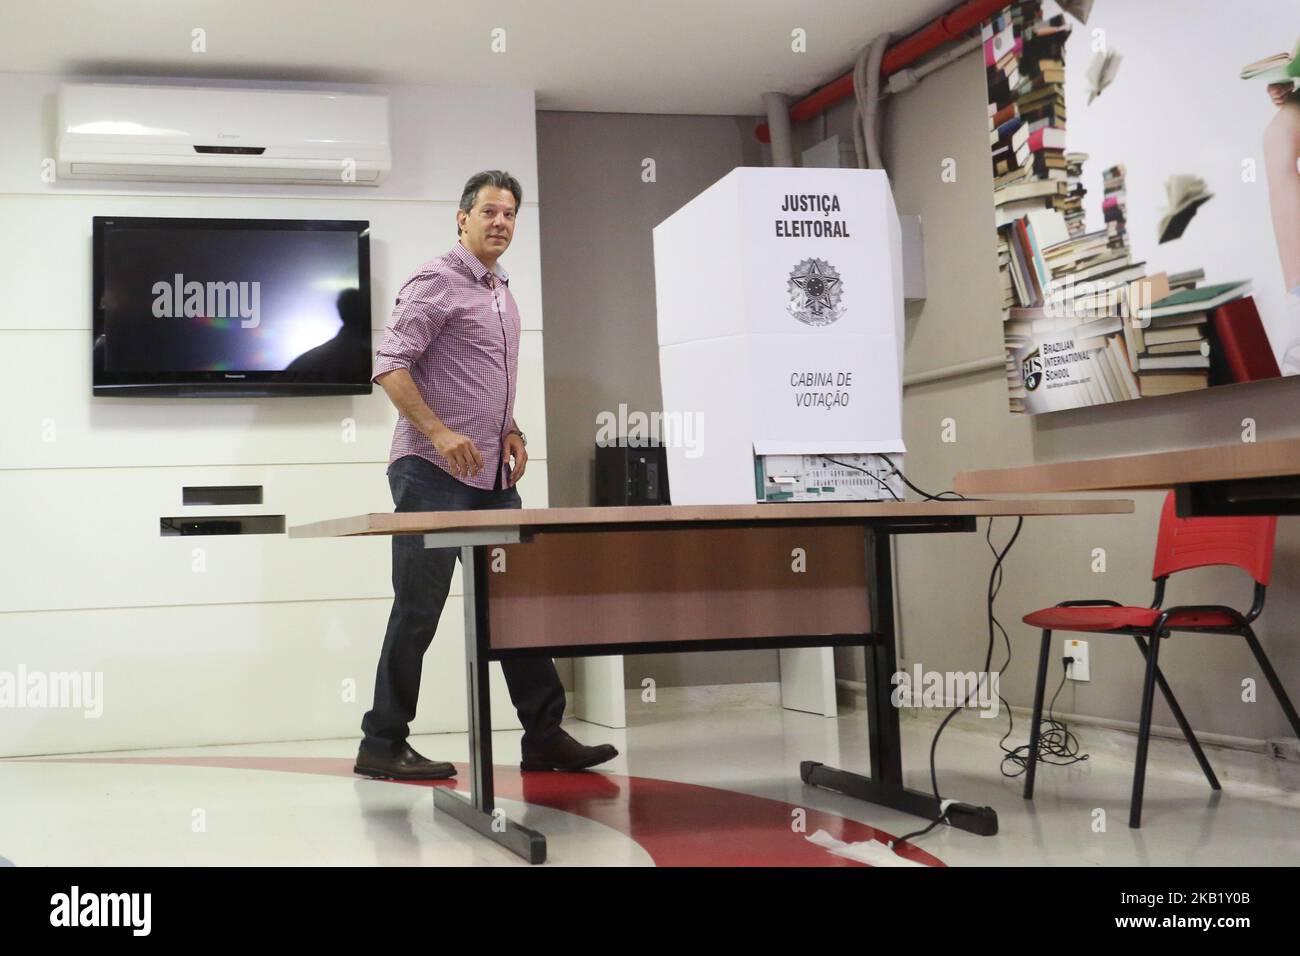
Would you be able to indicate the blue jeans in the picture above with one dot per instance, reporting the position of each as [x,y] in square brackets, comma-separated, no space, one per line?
[421,579]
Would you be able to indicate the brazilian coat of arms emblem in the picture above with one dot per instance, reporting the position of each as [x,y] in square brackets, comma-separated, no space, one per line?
[815,289]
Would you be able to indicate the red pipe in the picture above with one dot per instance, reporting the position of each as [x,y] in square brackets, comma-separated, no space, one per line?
[953,25]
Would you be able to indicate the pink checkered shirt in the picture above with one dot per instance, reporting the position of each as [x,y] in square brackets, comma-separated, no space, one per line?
[455,327]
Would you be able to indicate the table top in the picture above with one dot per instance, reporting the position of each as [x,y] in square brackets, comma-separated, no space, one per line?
[651,516]
[1156,470]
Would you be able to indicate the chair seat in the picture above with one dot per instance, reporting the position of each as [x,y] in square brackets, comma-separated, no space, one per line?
[1107,618]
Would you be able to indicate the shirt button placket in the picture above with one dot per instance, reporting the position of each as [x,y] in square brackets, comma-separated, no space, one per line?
[495,284]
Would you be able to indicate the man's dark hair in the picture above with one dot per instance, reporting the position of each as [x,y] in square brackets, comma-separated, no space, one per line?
[497,178]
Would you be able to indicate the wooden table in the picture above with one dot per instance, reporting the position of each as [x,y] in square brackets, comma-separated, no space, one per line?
[1245,478]
[578,582]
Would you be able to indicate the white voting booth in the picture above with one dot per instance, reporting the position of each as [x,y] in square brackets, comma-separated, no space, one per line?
[780,310]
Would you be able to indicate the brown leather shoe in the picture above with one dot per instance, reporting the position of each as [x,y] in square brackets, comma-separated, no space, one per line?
[562,752]
[400,764]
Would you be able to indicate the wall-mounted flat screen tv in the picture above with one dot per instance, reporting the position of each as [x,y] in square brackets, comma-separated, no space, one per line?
[231,307]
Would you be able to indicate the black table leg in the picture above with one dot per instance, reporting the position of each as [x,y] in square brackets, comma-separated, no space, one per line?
[479,811]
[881,664]
[885,784]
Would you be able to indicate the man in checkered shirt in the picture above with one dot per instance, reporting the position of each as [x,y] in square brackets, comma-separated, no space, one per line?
[449,361]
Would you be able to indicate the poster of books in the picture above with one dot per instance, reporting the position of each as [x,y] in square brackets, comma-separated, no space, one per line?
[1146,187]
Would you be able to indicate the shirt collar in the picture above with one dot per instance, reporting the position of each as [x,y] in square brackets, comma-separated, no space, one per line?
[475,266]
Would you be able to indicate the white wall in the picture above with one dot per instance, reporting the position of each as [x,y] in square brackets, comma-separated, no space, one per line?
[259,645]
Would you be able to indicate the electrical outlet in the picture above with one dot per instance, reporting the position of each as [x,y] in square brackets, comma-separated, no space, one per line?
[1078,670]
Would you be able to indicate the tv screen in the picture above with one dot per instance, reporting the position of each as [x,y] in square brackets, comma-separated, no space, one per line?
[231,307]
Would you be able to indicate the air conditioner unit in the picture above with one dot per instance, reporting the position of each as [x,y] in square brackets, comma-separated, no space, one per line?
[197,134]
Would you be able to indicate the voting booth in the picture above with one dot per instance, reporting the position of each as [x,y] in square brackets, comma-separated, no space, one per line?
[780,311]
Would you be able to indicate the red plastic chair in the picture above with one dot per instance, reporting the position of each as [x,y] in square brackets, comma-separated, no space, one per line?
[1182,543]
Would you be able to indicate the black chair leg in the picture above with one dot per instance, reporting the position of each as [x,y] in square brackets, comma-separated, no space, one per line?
[1144,731]
[1182,722]
[1271,676]
[1037,719]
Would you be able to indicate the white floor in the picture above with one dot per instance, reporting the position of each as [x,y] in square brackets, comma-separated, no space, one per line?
[131,813]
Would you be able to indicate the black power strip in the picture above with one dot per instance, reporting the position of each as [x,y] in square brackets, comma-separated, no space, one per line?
[982,821]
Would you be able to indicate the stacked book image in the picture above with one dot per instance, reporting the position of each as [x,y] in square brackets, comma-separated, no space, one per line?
[1211,335]
[1064,332]
[1084,324]
[1113,207]
[1025,68]
[1167,340]
[1074,192]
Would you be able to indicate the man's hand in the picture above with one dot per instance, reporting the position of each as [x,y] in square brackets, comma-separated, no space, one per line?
[514,448]
[459,452]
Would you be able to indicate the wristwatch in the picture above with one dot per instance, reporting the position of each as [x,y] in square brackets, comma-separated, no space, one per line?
[516,431]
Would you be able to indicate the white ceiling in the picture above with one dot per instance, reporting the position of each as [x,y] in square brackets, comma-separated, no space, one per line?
[663,56]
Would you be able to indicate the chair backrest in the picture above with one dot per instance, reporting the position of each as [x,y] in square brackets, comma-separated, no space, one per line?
[1183,543]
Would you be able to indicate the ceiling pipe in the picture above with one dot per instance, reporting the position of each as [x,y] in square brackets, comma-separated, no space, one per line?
[866,84]
[777,106]
[953,25]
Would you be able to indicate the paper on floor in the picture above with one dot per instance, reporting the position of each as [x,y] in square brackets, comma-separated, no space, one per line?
[871,852]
